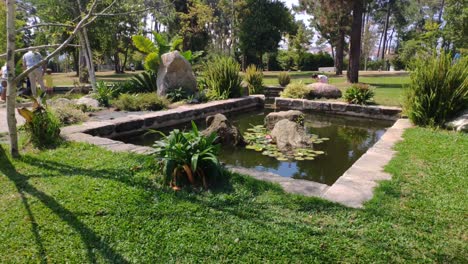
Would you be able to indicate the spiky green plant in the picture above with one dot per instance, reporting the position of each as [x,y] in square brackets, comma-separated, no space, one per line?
[254,79]
[222,78]
[359,93]
[284,79]
[438,89]
[144,82]
[188,158]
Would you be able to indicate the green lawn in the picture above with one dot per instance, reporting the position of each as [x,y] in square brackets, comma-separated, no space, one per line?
[79,203]
[388,85]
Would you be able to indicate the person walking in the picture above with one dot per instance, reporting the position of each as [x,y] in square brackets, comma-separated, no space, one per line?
[30,59]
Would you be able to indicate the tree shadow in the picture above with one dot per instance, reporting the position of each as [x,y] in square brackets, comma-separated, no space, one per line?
[92,241]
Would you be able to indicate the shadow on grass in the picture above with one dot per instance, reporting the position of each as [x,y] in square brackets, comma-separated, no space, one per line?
[91,240]
[387,85]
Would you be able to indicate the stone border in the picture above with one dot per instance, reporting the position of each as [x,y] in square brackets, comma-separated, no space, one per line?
[100,132]
[356,185]
[375,112]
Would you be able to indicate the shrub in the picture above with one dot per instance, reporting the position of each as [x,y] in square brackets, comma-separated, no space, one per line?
[438,89]
[69,114]
[42,125]
[104,93]
[284,79]
[177,95]
[222,78]
[359,93]
[140,102]
[295,90]
[254,79]
[188,157]
[144,82]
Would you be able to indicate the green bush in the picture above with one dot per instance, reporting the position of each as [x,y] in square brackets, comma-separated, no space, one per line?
[296,90]
[284,79]
[104,93]
[140,102]
[188,158]
[438,89]
[144,82]
[359,93]
[69,114]
[222,78]
[254,79]
[42,126]
[177,95]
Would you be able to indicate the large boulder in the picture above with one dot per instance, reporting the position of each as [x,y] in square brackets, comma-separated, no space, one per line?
[324,90]
[175,72]
[228,135]
[459,123]
[289,135]
[292,115]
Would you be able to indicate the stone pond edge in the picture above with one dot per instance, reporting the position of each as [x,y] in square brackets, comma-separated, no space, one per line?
[352,189]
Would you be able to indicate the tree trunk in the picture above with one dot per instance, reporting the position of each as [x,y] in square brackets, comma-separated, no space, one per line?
[122,69]
[387,19]
[11,87]
[89,53]
[380,44]
[83,72]
[339,50]
[76,62]
[116,62]
[355,42]
[441,11]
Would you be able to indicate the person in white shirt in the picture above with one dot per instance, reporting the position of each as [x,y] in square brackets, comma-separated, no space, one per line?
[3,85]
[320,78]
[30,59]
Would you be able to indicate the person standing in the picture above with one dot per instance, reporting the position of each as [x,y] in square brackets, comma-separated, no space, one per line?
[4,83]
[30,59]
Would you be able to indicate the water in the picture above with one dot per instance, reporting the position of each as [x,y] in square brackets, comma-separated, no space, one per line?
[349,138]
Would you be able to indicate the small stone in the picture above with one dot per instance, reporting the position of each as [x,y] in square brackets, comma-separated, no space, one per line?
[228,135]
[292,115]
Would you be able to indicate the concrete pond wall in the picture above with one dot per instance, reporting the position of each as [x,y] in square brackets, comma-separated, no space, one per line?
[352,189]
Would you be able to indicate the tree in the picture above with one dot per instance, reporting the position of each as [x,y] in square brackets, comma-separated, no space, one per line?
[262,25]
[86,18]
[332,20]
[355,42]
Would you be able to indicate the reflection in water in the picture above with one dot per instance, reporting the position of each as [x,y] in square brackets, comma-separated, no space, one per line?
[349,139]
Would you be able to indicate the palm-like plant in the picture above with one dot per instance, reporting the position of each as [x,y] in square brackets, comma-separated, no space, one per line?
[188,157]
[154,50]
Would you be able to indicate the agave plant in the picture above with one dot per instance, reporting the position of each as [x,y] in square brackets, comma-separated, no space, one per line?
[41,124]
[188,157]
[154,50]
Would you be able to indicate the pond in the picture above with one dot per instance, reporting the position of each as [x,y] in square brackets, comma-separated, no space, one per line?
[349,139]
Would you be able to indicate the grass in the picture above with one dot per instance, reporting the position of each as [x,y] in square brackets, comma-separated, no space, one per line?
[389,85]
[79,203]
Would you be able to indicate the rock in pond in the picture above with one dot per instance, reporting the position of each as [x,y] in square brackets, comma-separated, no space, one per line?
[288,135]
[175,72]
[324,90]
[460,123]
[228,135]
[292,115]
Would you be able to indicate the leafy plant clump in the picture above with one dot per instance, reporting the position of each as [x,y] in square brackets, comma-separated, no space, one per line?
[177,95]
[104,93]
[296,90]
[254,79]
[438,89]
[222,78]
[140,102]
[69,114]
[284,79]
[188,158]
[259,140]
[42,126]
[359,93]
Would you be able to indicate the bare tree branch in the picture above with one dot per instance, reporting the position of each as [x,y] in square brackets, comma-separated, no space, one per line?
[78,27]
[46,25]
[39,47]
